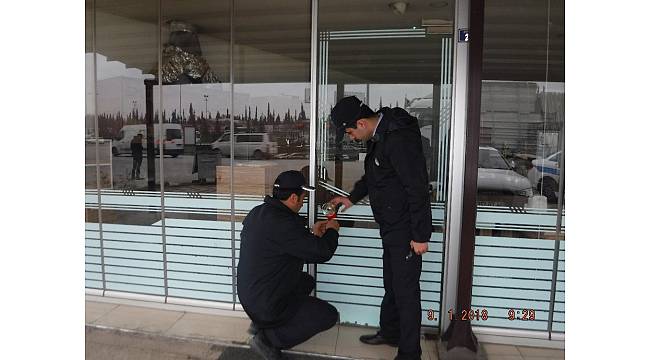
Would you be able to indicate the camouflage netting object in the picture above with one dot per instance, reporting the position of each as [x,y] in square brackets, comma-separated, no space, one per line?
[179,64]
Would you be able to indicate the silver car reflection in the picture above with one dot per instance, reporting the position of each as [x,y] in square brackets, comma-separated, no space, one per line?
[495,175]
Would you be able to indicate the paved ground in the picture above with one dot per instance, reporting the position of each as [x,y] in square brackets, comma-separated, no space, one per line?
[104,344]
[125,329]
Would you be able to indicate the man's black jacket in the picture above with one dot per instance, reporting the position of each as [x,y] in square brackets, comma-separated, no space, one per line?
[275,244]
[136,149]
[396,179]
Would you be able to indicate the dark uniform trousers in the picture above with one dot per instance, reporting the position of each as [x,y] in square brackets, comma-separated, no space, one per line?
[135,171]
[401,312]
[312,316]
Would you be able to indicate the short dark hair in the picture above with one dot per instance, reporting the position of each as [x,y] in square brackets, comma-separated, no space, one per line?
[284,194]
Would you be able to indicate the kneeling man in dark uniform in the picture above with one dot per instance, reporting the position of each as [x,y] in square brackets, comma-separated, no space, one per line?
[272,288]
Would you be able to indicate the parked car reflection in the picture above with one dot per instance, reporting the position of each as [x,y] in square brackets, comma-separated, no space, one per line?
[498,182]
[247,145]
[545,175]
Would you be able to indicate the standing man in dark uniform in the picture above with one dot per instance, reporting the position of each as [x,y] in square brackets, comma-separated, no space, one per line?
[136,152]
[272,288]
[395,180]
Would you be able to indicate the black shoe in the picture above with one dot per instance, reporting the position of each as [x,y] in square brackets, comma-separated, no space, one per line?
[252,329]
[266,351]
[376,339]
[401,357]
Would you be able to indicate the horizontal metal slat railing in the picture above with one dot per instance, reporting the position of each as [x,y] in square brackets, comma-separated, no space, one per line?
[559,310]
[510,272]
[199,254]
[353,279]
[513,268]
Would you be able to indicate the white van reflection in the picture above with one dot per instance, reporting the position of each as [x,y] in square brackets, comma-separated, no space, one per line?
[256,146]
[172,143]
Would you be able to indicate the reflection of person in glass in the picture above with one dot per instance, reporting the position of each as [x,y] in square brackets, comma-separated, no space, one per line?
[272,288]
[395,180]
[136,152]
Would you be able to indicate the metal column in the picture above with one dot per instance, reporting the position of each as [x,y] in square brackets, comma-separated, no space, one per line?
[313,119]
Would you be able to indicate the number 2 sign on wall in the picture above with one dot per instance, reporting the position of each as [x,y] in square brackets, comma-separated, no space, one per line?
[463,35]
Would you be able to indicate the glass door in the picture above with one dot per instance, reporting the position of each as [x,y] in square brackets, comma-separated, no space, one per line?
[518,274]
[386,57]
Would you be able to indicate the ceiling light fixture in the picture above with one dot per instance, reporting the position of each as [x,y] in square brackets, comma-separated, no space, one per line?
[399,7]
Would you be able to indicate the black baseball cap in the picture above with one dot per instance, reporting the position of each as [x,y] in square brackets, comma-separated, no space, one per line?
[347,111]
[291,180]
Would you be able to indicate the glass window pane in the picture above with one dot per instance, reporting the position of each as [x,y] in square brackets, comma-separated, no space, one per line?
[89,122]
[522,120]
[385,60]
[93,274]
[196,111]
[126,54]
[241,138]
[271,71]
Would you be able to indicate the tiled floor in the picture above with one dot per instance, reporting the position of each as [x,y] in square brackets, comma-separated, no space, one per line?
[340,340]
[509,352]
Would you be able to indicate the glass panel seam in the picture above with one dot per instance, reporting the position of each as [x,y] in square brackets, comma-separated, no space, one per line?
[96,125]
[313,94]
[232,154]
[161,151]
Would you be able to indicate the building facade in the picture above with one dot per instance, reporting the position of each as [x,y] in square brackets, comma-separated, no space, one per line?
[228,94]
